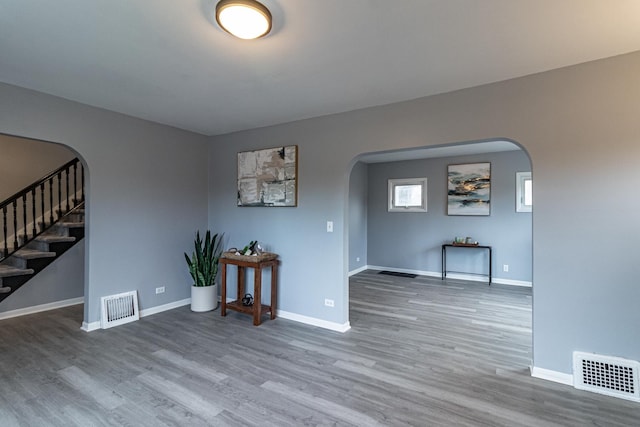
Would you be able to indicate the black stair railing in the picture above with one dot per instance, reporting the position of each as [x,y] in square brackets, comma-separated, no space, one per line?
[34,209]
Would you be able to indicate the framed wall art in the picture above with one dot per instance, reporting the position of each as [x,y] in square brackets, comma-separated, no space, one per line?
[469,189]
[268,177]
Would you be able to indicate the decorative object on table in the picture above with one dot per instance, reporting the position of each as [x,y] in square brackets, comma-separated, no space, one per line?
[469,189]
[464,241]
[247,300]
[268,177]
[252,249]
[203,267]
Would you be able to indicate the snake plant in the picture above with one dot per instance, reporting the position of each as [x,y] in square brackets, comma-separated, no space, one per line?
[203,264]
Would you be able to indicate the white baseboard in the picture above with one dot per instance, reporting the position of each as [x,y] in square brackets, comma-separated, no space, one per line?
[455,276]
[358,270]
[41,307]
[549,375]
[314,321]
[91,326]
[511,282]
[164,307]
[308,320]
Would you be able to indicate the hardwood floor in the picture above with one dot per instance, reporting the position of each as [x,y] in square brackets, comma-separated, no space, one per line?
[421,352]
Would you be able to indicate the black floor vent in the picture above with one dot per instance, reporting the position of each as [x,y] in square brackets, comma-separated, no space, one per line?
[395,273]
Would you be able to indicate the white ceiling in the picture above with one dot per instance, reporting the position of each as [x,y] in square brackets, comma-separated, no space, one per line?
[166,60]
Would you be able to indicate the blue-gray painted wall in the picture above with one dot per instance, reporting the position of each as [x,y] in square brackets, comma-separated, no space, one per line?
[146,187]
[358,216]
[413,240]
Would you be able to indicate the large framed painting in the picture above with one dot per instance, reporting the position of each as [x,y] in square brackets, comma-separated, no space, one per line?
[469,189]
[268,177]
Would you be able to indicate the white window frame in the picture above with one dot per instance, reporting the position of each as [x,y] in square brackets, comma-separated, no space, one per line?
[393,183]
[521,178]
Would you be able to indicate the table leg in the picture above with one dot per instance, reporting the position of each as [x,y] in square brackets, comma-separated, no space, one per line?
[223,303]
[257,298]
[240,290]
[490,266]
[444,262]
[274,286]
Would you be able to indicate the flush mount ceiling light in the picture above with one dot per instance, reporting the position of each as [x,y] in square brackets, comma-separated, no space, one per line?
[245,19]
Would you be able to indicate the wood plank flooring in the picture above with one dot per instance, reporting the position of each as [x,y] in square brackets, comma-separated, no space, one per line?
[421,352]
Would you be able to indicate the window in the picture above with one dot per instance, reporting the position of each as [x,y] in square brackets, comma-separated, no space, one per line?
[408,195]
[524,192]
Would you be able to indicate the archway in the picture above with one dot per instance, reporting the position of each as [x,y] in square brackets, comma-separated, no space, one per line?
[26,161]
[410,243]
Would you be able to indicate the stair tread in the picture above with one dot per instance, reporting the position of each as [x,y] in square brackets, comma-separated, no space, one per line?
[54,238]
[9,270]
[33,254]
[71,224]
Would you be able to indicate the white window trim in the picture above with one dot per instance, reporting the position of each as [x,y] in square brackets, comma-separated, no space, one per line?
[407,181]
[521,177]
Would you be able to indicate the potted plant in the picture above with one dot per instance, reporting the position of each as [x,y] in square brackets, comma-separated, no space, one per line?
[203,266]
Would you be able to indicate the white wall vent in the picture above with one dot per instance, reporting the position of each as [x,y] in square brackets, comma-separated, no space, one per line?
[119,309]
[608,375]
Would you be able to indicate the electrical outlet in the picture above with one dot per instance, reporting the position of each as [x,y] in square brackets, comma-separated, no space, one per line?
[329,226]
[328,302]
[357,259]
[160,290]
[505,268]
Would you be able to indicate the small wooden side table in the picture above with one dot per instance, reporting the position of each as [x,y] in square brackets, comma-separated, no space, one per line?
[257,263]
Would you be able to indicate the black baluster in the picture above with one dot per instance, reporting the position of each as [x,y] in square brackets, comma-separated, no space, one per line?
[67,188]
[33,210]
[75,184]
[24,219]
[15,225]
[59,194]
[82,176]
[44,219]
[4,230]
[51,201]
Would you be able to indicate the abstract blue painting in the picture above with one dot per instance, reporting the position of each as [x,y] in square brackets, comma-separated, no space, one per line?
[469,189]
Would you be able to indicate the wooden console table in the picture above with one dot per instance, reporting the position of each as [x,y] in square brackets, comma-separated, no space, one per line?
[257,263]
[461,245]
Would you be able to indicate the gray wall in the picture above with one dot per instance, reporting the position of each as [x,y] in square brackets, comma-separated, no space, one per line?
[412,240]
[580,128]
[358,205]
[146,193]
[24,161]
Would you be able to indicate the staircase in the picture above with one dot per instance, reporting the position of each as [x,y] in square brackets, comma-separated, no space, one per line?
[43,221]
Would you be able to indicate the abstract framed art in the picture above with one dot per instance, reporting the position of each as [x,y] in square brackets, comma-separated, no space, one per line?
[268,177]
[469,189]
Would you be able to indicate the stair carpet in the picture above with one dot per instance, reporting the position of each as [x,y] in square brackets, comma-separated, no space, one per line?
[18,268]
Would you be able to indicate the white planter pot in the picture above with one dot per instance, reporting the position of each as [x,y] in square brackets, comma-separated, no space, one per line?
[204,298]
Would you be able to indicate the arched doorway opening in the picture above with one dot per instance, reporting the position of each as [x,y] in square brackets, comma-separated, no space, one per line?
[408,244]
[55,205]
